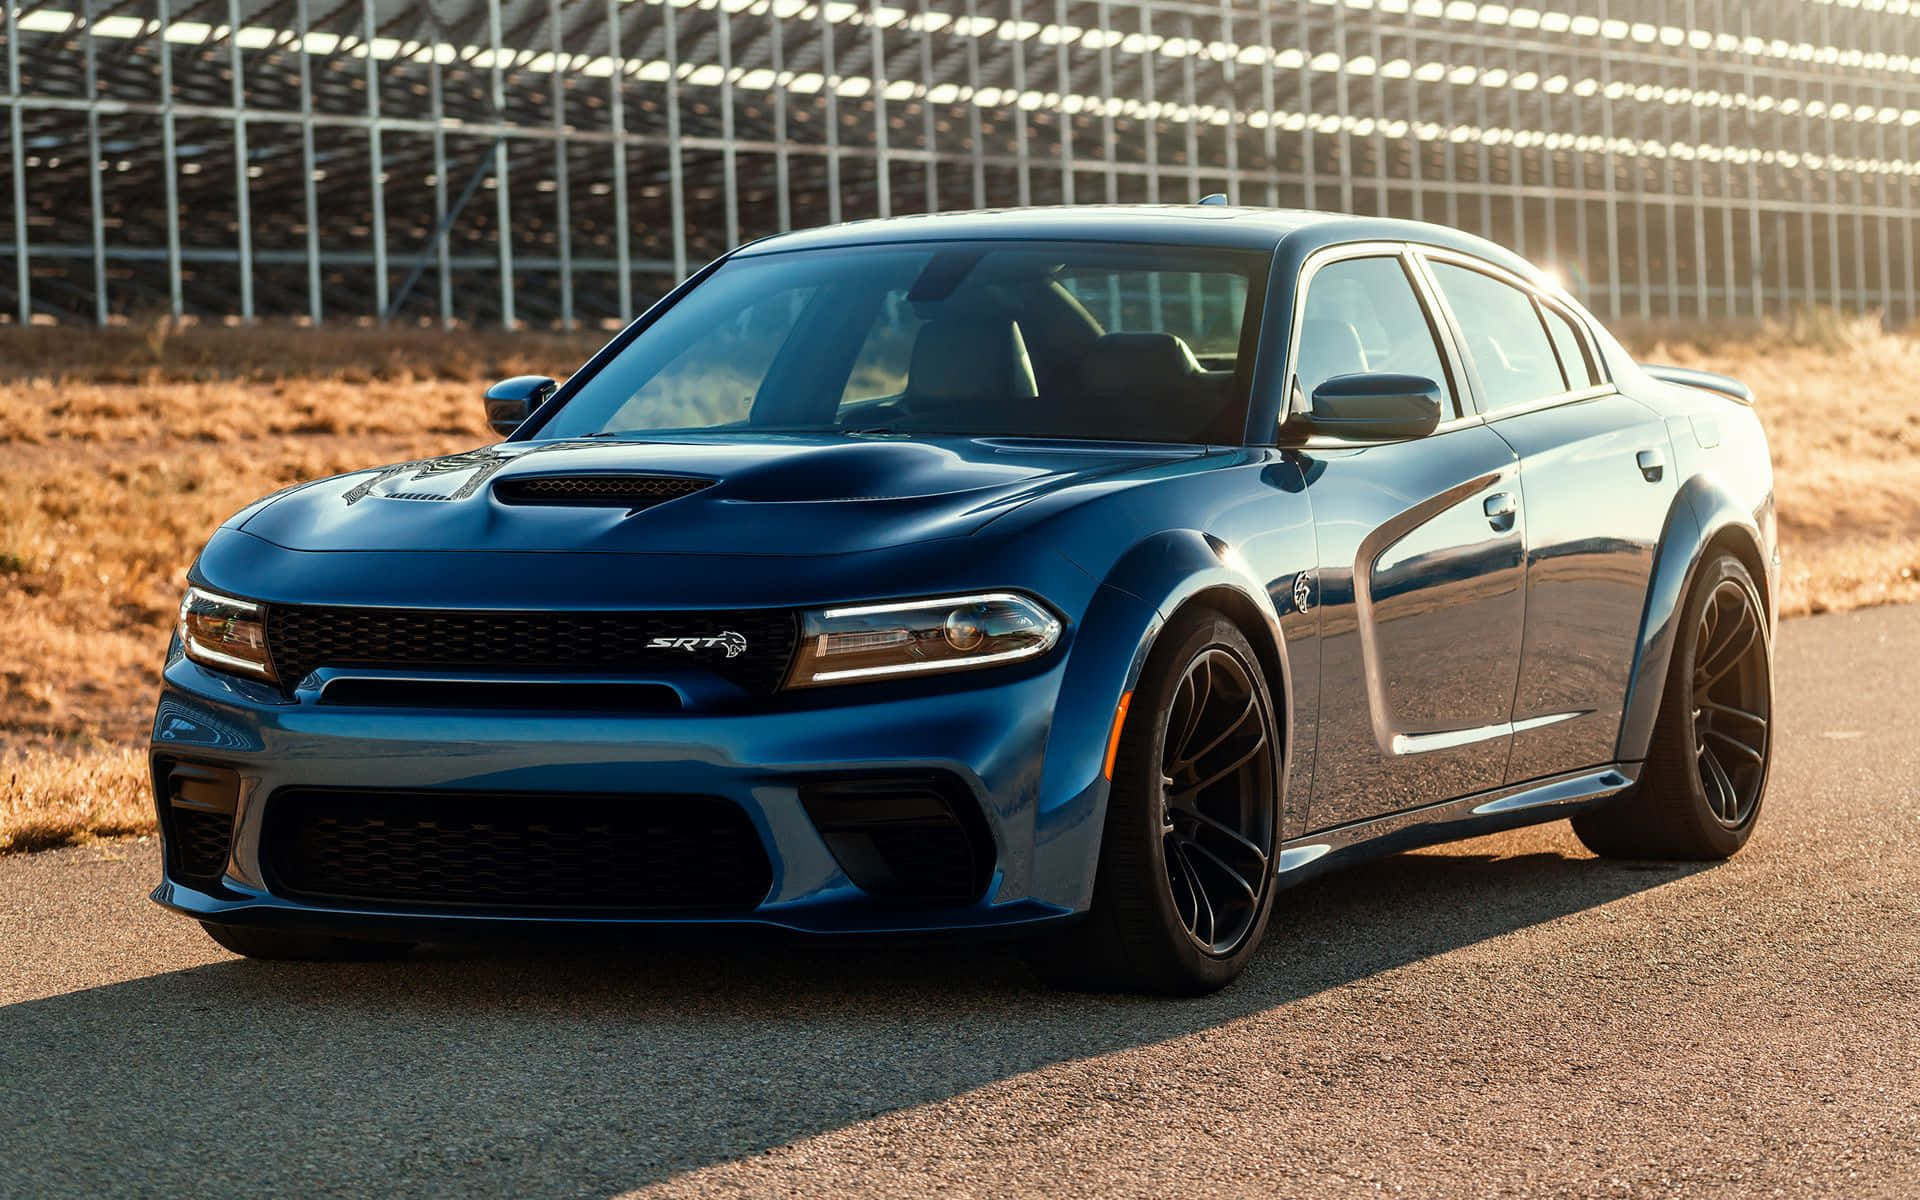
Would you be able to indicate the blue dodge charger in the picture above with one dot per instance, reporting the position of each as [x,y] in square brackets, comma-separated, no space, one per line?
[1092,574]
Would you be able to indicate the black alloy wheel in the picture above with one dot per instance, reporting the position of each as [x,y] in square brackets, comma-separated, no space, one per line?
[1185,885]
[1705,777]
[1732,703]
[1217,801]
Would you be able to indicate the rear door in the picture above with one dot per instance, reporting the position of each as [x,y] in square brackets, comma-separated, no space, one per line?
[1595,484]
[1420,550]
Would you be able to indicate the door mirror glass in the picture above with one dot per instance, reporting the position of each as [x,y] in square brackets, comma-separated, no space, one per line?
[511,401]
[1372,407]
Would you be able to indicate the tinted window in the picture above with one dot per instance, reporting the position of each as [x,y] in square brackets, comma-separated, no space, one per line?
[1574,359]
[1006,339]
[1362,315]
[1201,308]
[1509,346]
[880,369]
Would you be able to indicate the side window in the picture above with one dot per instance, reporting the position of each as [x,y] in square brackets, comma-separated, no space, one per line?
[1362,316]
[1575,359]
[1505,338]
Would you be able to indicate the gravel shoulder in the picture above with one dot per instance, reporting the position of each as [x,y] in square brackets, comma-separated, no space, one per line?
[1506,1016]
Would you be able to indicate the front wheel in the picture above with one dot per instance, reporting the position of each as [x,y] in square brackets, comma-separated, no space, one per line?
[1706,770]
[1185,882]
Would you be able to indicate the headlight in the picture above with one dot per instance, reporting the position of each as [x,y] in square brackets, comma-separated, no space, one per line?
[953,633]
[224,633]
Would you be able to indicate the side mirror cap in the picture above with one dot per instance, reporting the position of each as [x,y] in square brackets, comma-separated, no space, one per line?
[1371,407]
[511,401]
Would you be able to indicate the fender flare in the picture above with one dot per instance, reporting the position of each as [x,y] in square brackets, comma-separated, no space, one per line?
[1175,568]
[1704,512]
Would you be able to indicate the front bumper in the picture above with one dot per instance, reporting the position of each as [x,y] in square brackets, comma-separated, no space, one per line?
[1042,807]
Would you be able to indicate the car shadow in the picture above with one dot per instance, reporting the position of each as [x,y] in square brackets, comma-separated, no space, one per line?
[595,1069]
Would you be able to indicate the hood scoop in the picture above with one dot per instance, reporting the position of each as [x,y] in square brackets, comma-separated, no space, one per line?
[599,490]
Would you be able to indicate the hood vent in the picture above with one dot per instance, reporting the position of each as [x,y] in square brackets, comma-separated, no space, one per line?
[632,492]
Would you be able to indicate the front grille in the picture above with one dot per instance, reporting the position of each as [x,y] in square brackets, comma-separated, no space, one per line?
[612,491]
[518,852]
[198,843]
[917,837]
[303,637]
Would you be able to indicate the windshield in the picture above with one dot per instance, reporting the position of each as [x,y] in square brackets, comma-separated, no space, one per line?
[1002,339]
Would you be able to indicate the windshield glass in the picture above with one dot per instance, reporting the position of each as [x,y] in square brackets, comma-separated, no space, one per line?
[1004,339]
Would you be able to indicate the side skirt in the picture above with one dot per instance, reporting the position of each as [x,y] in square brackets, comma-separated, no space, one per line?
[1532,803]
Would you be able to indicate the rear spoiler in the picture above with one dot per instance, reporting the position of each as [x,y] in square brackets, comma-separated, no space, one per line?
[1732,389]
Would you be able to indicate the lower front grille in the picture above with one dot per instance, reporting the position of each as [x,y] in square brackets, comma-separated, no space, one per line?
[198,844]
[515,852]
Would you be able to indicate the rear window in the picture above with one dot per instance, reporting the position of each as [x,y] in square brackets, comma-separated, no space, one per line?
[1008,339]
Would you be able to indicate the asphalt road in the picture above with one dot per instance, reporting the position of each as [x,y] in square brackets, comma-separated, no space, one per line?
[1506,1016]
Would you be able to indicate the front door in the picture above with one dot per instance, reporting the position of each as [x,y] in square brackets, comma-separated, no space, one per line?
[1421,580]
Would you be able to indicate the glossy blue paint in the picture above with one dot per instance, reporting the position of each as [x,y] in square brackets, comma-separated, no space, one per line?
[1430,662]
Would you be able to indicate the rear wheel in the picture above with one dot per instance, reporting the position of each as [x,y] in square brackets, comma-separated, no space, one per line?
[251,942]
[1706,769]
[1185,883]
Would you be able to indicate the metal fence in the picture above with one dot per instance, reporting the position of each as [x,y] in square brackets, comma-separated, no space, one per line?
[560,162]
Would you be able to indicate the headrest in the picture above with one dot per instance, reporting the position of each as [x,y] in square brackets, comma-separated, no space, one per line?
[1130,364]
[969,358]
[1328,348]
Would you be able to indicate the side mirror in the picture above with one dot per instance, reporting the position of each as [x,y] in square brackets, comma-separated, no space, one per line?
[1372,407]
[511,401]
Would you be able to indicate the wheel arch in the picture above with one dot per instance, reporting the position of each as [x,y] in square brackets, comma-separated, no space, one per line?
[1705,518]
[1181,570]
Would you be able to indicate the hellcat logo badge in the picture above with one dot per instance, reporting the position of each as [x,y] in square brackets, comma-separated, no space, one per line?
[733,643]
[1302,592]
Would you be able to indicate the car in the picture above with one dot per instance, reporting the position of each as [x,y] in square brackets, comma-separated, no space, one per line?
[1085,575]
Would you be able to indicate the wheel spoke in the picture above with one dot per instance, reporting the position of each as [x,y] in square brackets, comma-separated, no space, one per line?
[1730,711]
[1728,739]
[1726,800]
[1713,671]
[1202,904]
[1177,874]
[1226,830]
[1194,789]
[1246,712]
[1240,881]
[1202,687]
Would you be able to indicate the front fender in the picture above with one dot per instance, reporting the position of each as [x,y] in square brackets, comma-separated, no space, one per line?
[1146,587]
[1704,511]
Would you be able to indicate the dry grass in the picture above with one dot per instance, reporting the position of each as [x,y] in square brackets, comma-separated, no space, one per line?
[49,799]
[120,451]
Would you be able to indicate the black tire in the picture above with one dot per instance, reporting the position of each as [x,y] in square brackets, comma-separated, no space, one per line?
[251,942]
[1143,932]
[1690,803]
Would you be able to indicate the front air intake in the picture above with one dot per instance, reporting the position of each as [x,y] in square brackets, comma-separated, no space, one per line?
[916,837]
[598,491]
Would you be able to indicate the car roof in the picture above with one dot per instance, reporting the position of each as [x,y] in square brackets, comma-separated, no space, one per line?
[1218,226]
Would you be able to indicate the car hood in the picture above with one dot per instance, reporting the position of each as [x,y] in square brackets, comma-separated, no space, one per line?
[768,495]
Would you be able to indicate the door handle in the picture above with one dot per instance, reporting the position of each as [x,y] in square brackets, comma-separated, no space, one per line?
[1653,464]
[1500,508]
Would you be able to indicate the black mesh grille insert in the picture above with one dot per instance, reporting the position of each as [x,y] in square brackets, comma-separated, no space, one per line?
[612,491]
[910,837]
[515,852]
[198,843]
[302,637]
